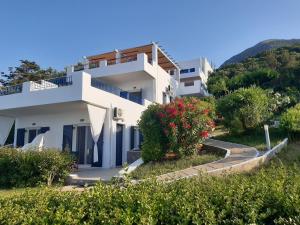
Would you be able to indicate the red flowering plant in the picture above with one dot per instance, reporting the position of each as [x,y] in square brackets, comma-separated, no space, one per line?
[186,122]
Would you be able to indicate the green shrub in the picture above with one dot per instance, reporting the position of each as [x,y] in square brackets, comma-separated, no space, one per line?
[244,109]
[179,127]
[31,168]
[290,120]
[270,196]
[154,143]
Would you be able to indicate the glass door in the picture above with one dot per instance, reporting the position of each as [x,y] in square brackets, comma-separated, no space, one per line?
[84,145]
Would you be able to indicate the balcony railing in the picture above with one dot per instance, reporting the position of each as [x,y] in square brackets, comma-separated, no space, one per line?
[117,91]
[52,83]
[105,87]
[11,90]
[38,85]
[61,81]
[96,63]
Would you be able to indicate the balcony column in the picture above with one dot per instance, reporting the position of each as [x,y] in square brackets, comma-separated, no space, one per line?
[154,54]
[103,63]
[118,56]
[177,74]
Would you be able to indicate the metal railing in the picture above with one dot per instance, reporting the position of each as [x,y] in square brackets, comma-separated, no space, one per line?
[38,85]
[117,91]
[52,83]
[61,81]
[11,90]
[105,87]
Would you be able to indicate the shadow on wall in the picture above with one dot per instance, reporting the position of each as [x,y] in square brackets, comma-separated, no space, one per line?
[10,138]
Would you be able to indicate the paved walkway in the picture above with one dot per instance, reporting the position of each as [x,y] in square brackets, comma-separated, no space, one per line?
[238,158]
[91,175]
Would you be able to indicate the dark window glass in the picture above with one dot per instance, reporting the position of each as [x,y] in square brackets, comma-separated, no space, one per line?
[67,138]
[192,70]
[184,71]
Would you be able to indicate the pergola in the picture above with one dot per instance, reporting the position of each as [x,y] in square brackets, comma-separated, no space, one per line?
[130,54]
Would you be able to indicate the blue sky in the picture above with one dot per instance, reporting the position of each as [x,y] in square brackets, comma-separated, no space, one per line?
[57,33]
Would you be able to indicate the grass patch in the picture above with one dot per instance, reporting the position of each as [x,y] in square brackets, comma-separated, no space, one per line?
[254,139]
[162,167]
[291,154]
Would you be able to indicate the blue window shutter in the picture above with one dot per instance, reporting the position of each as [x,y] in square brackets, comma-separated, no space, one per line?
[31,135]
[20,137]
[131,137]
[124,94]
[43,130]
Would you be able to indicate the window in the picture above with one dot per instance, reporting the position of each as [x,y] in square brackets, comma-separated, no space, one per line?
[184,71]
[136,138]
[191,70]
[189,83]
[164,98]
[172,72]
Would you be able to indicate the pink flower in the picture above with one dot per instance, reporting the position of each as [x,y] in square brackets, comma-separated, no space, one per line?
[205,111]
[204,134]
[161,115]
[172,125]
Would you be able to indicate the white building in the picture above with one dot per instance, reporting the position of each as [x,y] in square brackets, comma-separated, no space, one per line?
[93,111]
[193,77]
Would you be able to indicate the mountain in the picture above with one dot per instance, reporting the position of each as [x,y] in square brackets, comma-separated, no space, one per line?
[259,48]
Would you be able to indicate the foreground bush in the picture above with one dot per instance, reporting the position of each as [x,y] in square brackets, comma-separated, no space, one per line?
[244,109]
[270,196]
[31,168]
[290,120]
[178,127]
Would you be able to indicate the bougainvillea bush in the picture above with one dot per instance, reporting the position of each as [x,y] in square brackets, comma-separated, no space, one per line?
[178,127]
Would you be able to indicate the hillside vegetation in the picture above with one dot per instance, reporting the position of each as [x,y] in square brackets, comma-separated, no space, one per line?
[277,69]
[259,48]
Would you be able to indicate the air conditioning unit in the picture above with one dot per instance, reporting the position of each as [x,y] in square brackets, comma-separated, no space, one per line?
[118,113]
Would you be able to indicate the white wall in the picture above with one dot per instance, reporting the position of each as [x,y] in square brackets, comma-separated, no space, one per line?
[202,71]
[190,90]
[55,121]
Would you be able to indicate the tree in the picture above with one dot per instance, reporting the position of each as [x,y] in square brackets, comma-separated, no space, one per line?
[27,71]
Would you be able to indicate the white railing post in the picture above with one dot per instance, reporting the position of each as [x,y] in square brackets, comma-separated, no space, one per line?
[266,127]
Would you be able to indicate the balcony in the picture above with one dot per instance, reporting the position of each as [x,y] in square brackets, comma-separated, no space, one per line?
[131,96]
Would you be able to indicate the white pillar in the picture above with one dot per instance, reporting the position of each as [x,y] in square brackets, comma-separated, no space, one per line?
[154,54]
[103,63]
[268,142]
[177,74]
[106,158]
[118,56]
